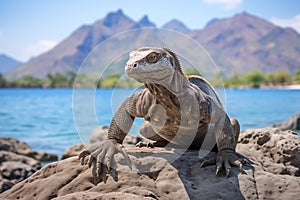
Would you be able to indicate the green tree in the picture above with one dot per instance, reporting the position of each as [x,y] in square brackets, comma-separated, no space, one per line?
[270,80]
[57,81]
[3,81]
[110,81]
[234,81]
[49,81]
[191,71]
[297,76]
[282,77]
[29,82]
[71,76]
[254,78]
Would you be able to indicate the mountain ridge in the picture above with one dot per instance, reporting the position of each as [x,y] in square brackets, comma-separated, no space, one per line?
[237,44]
[8,63]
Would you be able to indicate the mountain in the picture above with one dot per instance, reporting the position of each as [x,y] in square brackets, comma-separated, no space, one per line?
[7,63]
[245,42]
[212,21]
[177,26]
[144,22]
[238,44]
[69,54]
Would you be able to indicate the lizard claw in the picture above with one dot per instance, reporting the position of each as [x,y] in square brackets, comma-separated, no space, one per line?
[208,160]
[218,169]
[82,156]
[102,160]
[121,149]
[228,157]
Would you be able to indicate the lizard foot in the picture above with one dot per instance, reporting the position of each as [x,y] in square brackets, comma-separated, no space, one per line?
[102,159]
[209,159]
[229,157]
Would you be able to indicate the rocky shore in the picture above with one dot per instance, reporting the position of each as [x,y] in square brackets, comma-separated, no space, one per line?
[160,173]
[18,161]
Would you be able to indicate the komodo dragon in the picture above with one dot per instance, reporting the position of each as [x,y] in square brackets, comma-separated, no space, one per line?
[178,110]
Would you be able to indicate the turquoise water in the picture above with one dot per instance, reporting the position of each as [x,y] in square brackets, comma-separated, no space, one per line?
[44,117]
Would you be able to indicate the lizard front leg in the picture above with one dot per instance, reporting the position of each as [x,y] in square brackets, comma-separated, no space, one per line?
[102,154]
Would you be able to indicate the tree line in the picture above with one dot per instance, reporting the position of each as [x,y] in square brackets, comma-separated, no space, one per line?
[256,79]
[252,79]
[50,81]
[67,80]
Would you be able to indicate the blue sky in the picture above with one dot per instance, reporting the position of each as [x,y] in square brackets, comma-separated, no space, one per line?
[30,27]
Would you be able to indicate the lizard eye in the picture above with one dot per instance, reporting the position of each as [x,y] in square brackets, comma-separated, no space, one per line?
[152,57]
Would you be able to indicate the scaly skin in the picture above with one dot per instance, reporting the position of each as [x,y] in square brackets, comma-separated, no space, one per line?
[178,110]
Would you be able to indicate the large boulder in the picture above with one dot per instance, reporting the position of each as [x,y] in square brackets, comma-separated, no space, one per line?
[99,134]
[278,152]
[174,174]
[22,148]
[18,161]
[292,123]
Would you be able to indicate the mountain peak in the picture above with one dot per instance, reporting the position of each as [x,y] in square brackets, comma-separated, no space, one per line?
[145,19]
[144,22]
[113,18]
[177,26]
[211,22]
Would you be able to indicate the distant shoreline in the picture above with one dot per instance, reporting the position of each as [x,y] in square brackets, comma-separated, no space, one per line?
[277,87]
[283,87]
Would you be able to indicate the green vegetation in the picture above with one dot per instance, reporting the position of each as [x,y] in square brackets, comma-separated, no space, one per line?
[67,80]
[297,76]
[257,79]
[234,81]
[3,81]
[252,79]
[191,71]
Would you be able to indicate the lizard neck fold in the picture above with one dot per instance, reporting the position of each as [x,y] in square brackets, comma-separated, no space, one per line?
[178,83]
[175,84]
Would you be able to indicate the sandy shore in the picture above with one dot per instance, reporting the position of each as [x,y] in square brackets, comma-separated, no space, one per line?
[285,87]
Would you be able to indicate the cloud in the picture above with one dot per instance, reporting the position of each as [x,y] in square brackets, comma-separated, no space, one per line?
[38,48]
[293,22]
[227,4]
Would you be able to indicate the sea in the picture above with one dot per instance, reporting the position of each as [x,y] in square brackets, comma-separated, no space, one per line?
[52,120]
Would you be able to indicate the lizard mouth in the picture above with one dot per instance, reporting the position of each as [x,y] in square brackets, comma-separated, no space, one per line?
[132,70]
[144,76]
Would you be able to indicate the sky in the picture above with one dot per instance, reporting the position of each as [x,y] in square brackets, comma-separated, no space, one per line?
[31,27]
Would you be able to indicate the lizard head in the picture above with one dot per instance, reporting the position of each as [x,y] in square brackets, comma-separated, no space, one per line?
[152,65]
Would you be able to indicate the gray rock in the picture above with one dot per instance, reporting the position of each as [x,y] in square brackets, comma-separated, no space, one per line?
[21,148]
[73,151]
[293,123]
[18,161]
[10,156]
[99,134]
[176,174]
[5,184]
[15,170]
[278,152]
